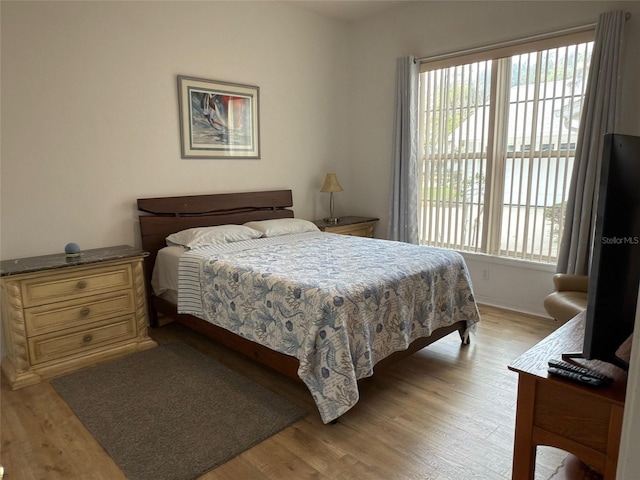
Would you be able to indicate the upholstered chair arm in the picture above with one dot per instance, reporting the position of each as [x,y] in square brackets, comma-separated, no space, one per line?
[568,282]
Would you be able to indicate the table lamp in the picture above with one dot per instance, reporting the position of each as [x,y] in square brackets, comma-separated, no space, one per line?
[331,185]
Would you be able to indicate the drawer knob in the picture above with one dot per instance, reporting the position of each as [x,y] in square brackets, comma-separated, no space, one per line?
[87,338]
[82,284]
[84,311]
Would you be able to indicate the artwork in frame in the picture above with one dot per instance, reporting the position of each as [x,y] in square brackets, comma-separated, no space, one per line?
[218,119]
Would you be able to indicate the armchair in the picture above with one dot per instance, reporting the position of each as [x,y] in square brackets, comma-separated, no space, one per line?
[569,297]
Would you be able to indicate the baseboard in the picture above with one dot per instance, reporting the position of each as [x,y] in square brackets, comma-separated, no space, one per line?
[511,308]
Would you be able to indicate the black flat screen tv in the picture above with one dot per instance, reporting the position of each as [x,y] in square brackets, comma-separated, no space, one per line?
[614,274]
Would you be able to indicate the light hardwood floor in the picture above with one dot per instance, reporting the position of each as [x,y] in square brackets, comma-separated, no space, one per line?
[446,412]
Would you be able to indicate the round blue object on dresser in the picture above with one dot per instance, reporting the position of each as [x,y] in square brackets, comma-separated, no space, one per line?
[72,249]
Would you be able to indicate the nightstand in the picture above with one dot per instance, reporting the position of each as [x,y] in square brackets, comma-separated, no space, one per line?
[357,226]
[61,314]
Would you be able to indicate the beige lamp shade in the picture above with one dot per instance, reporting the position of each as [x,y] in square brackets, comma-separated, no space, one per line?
[331,184]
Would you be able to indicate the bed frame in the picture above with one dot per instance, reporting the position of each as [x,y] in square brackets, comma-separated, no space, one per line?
[165,215]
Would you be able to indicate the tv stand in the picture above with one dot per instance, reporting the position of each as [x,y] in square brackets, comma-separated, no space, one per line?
[580,420]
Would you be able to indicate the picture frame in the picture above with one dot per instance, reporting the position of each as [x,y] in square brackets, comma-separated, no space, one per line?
[218,119]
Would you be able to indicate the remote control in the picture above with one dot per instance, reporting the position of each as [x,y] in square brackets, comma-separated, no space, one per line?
[576,377]
[579,370]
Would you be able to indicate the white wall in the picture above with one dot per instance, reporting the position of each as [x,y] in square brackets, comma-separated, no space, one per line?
[493,282]
[629,460]
[428,28]
[90,111]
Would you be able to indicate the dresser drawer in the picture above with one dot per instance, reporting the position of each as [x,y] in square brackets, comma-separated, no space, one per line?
[52,346]
[50,318]
[358,230]
[81,282]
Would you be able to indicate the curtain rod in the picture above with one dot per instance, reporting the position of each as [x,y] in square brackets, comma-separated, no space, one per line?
[511,43]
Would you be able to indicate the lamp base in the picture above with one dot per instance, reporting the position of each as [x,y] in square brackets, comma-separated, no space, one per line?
[331,220]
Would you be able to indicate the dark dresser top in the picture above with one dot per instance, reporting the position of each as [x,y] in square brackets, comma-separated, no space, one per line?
[350,220]
[60,260]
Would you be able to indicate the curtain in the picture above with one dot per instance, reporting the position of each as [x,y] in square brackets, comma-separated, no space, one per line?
[403,214]
[601,104]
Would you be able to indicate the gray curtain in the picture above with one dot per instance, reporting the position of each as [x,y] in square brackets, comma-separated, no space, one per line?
[403,214]
[601,105]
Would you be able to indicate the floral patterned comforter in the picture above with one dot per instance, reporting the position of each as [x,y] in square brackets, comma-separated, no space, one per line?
[337,303]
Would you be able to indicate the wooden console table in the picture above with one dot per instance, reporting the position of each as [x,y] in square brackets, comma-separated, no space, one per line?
[581,420]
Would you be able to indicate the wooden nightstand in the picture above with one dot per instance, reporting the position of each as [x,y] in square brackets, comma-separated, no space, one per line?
[358,226]
[62,314]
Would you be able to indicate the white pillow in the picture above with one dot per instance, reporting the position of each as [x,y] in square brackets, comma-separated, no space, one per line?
[202,236]
[282,226]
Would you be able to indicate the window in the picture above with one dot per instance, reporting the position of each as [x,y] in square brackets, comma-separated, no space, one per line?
[498,137]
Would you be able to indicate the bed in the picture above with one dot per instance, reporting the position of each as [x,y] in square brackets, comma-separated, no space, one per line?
[320,308]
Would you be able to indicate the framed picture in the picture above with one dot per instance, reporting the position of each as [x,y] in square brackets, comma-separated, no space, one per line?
[218,119]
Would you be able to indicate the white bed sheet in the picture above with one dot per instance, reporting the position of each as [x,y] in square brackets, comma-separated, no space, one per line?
[164,279]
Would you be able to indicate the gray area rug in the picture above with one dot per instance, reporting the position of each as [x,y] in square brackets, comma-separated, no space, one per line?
[173,413]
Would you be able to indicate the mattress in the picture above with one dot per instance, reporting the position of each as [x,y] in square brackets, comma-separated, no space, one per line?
[164,279]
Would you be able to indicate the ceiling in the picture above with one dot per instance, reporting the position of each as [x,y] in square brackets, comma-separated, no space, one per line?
[349,10]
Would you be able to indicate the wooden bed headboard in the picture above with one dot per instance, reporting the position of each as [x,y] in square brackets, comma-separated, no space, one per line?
[166,215]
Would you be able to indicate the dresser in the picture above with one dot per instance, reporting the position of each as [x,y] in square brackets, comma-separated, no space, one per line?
[61,314]
[583,421]
[357,226]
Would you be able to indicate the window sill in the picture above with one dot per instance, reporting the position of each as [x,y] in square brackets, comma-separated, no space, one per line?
[510,262]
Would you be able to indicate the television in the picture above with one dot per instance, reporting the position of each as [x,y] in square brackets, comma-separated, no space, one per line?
[614,275]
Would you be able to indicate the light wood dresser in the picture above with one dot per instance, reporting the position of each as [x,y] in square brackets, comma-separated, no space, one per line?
[61,314]
[357,226]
